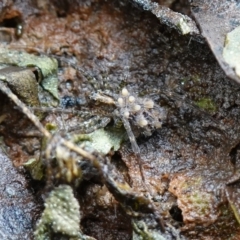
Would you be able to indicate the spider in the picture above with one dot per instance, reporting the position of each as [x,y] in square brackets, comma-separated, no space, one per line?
[137,114]
[134,111]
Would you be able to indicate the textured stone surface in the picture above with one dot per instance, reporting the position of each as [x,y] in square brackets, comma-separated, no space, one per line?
[18,208]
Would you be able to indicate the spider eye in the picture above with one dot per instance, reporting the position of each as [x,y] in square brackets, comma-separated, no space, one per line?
[131,99]
[125,92]
[120,101]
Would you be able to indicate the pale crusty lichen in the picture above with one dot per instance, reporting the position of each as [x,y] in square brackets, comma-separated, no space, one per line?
[182,23]
[61,216]
[102,140]
[183,26]
[47,65]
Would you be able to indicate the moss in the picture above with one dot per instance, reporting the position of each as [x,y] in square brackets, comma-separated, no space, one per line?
[206,104]
[51,127]
[195,78]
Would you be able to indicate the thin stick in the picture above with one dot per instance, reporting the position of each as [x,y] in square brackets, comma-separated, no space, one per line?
[24,109]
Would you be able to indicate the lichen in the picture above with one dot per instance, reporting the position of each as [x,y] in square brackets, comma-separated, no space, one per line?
[206,104]
[180,22]
[183,26]
[47,65]
[197,206]
[50,83]
[61,216]
[102,140]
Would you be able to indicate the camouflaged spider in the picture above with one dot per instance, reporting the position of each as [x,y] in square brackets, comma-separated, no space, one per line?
[137,114]
[133,111]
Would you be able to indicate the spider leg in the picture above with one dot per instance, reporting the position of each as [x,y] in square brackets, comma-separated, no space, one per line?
[131,136]
[94,123]
[82,114]
[134,145]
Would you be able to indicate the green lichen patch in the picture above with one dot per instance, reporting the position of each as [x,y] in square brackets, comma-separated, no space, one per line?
[61,216]
[50,83]
[102,140]
[206,104]
[47,65]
